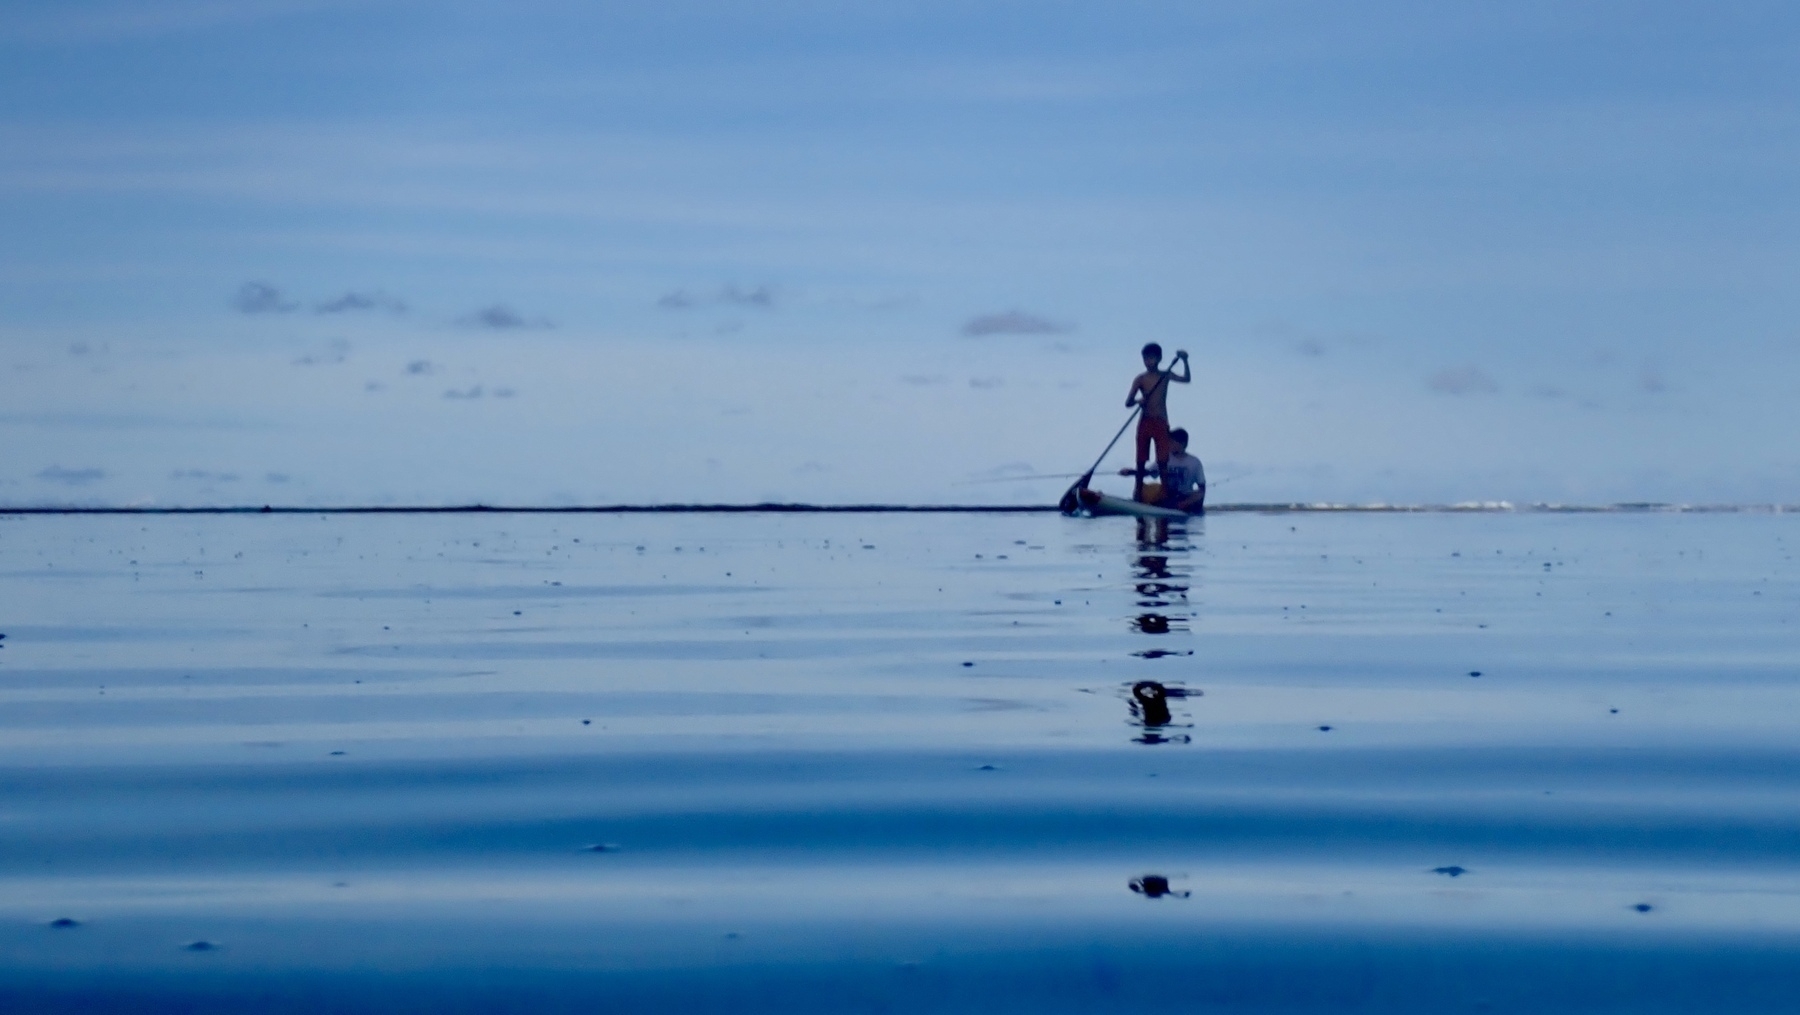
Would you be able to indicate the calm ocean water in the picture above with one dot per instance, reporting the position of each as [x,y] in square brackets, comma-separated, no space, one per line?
[894,763]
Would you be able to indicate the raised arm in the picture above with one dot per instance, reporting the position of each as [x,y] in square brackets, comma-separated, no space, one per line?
[1186,374]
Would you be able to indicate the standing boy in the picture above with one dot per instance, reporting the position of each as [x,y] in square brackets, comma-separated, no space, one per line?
[1151,389]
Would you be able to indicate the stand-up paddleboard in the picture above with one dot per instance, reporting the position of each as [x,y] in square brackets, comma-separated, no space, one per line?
[1094,504]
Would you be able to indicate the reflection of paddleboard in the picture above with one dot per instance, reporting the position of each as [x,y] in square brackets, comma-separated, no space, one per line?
[1095,503]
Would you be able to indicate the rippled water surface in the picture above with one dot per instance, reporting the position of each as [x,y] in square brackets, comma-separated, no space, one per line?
[1433,763]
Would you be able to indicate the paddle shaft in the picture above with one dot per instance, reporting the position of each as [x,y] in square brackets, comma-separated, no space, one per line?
[1089,474]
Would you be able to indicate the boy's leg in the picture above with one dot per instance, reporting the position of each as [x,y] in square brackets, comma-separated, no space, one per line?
[1144,435]
[1165,446]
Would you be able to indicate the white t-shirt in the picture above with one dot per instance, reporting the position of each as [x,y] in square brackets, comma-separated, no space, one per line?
[1184,473]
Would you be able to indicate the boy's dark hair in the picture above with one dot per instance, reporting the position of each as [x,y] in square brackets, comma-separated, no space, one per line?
[1153,348]
[1179,436]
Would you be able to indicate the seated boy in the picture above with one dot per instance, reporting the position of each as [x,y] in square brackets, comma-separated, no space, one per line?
[1183,477]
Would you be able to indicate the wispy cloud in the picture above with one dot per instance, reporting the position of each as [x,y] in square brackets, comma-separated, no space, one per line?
[1012,322]
[762,297]
[923,380]
[421,368]
[500,317]
[985,383]
[261,298]
[1465,380]
[70,477]
[335,351]
[353,301]
[1650,380]
[204,476]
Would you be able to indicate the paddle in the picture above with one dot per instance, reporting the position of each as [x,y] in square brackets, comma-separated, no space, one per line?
[1072,500]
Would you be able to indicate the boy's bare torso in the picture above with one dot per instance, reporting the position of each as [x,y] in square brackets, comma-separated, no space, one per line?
[1155,393]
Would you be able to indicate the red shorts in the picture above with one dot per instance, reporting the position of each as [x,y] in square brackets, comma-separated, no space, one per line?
[1153,429]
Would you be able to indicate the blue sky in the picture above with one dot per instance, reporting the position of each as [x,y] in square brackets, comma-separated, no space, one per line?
[556,252]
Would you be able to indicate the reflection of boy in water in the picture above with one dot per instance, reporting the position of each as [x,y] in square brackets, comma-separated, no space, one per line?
[1151,390]
[1184,478]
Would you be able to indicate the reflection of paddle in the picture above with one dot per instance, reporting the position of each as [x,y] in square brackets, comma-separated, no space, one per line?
[1071,498]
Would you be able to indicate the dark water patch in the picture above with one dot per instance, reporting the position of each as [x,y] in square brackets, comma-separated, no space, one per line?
[719,648]
[1151,701]
[97,635]
[1154,623]
[1154,567]
[301,707]
[1156,886]
[1147,702]
[860,824]
[1012,969]
[214,676]
[1634,777]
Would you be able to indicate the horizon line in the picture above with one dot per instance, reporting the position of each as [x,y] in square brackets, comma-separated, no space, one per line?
[776,507]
